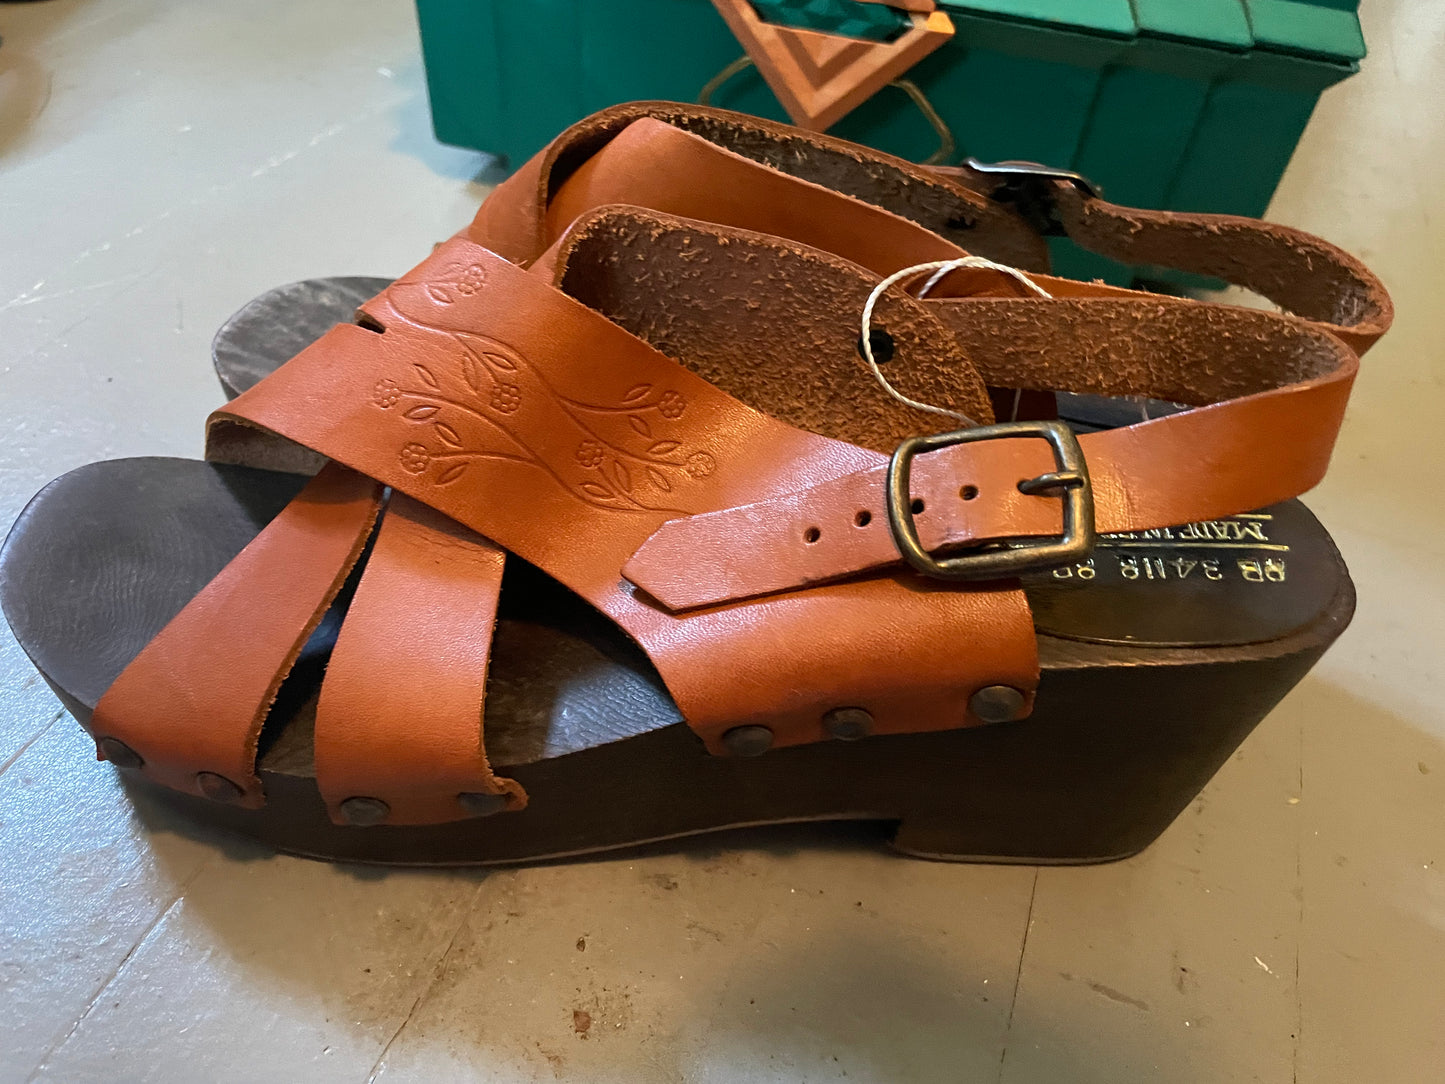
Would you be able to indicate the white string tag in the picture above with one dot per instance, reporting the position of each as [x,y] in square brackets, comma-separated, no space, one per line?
[941,269]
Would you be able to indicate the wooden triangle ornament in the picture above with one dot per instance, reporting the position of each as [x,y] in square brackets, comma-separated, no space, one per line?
[820,78]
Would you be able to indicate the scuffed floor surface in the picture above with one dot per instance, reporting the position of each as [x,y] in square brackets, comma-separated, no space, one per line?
[163,162]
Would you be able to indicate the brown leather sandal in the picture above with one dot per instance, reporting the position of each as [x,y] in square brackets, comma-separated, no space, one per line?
[667,422]
[879,211]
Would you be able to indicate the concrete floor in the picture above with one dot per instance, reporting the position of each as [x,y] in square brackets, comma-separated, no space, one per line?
[161,163]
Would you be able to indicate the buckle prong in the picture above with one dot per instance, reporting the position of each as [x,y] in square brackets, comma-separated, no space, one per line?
[1052,482]
[1070,483]
[1029,187]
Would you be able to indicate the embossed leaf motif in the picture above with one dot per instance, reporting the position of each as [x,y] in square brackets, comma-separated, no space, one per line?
[639,423]
[636,394]
[448,435]
[426,376]
[436,293]
[659,479]
[423,412]
[490,352]
[595,490]
[622,476]
[451,474]
[475,374]
[664,447]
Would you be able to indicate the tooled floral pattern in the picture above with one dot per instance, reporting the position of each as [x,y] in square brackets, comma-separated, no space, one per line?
[457,281]
[628,473]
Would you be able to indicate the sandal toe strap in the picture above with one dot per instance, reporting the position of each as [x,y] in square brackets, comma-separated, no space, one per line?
[190,707]
[399,735]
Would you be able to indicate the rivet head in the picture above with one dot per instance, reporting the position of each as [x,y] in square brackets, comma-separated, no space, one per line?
[848,724]
[364,812]
[997,703]
[119,753]
[218,788]
[481,804]
[748,741]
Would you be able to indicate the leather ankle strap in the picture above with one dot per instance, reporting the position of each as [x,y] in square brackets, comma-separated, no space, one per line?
[886,214]
[1302,274]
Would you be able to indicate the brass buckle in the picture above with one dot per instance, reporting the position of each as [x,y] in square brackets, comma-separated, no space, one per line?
[1070,482]
[1026,185]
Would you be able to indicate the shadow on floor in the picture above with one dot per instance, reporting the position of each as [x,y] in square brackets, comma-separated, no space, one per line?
[887,1003]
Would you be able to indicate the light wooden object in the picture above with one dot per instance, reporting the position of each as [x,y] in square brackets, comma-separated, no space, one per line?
[820,78]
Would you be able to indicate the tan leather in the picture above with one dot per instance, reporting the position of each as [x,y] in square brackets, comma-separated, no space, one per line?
[1299,272]
[195,698]
[663,168]
[544,398]
[666,440]
[1288,383]
[512,221]
[1309,277]
[1199,464]
[400,716]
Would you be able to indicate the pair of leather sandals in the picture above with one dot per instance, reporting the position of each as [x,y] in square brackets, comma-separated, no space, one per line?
[614,520]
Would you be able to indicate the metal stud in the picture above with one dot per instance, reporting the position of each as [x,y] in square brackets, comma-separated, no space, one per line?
[218,788]
[848,724]
[748,741]
[481,804]
[997,703]
[119,753]
[364,812]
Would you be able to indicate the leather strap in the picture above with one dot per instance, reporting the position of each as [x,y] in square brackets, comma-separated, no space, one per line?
[715,533]
[539,453]
[192,703]
[701,178]
[513,220]
[400,717]
[655,165]
[1250,452]
[1296,270]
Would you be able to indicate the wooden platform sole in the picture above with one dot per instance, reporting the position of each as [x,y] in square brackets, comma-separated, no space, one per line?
[1160,655]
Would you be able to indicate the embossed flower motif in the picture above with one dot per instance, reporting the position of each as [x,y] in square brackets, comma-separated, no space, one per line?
[672,404]
[590,454]
[471,280]
[699,465]
[506,397]
[415,458]
[386,394]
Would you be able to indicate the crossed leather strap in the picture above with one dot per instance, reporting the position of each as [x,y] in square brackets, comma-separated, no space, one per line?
[520,391]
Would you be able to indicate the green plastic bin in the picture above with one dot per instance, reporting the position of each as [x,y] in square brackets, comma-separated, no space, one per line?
[1258,110]
[1179,104]
[507,75]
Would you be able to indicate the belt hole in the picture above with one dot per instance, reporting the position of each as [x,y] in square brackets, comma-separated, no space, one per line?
[968,493]
[882,344]
[863,518]
[811,535]
[917,506]
[370,323]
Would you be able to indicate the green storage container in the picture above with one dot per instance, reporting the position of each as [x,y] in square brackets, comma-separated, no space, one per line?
[1258,109]
[507,75]
[1182,104]
[1148,107]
